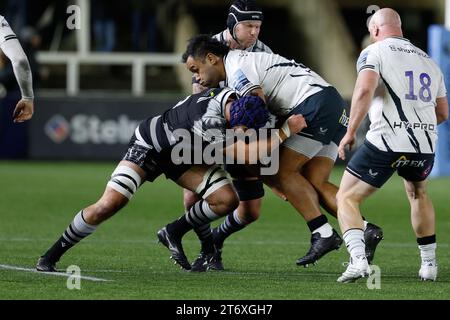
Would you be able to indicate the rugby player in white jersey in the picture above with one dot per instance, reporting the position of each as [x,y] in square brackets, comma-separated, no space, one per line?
[12,49]
[401,138]
[244,22]
[306,159]
[149,155]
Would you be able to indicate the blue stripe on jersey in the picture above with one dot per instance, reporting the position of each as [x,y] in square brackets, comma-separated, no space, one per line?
[398,105]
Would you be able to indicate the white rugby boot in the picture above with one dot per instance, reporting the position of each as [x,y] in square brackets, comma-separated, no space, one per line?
[428,270]
[357,268]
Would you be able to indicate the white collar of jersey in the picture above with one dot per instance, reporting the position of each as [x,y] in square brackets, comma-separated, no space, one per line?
[398,37]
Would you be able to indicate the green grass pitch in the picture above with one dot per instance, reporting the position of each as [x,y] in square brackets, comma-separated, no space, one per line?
[39,199]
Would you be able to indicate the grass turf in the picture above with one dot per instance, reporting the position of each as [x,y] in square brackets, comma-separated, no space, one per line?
[39,199]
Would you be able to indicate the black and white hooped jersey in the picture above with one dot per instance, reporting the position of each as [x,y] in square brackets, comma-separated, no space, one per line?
[284,82]
[6,32]
[202,114]
[406,120]
[258,46]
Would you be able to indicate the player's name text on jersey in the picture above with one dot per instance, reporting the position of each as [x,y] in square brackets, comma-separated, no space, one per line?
[406,50]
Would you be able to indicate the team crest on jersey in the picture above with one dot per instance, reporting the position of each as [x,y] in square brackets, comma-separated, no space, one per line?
[362,59]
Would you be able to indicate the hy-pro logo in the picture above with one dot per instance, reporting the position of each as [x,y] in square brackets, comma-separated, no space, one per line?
[83,128]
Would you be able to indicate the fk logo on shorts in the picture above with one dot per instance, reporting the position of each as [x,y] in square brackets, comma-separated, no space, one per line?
[404,162]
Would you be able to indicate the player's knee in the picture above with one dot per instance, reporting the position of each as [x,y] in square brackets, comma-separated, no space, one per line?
[189,198]
[318,184]
[417,193]
[346,197]
[223,201]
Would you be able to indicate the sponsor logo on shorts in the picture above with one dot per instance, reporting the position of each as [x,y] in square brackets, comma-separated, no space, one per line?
[403,161]
[323,131]
[344,119]
[426,172]
[372,173]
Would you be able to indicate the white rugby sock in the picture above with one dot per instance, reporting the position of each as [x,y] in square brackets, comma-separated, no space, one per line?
[354,240]
[428,253]
[325,230]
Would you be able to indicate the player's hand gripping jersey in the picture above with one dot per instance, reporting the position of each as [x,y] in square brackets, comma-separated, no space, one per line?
[406,120]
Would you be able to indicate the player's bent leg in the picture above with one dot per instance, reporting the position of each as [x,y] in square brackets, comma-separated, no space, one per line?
[422,210]
[317,171]
[293,185]
[189,198]
[250,191]
[302,195]
[423,223]
[204,233]
[352,192]
[124,182]
[218,198]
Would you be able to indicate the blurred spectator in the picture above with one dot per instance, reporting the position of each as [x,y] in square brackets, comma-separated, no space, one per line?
[16,11]
[104,25]
[143,16]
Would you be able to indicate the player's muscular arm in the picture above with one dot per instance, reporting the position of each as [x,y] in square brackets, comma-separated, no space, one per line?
[366,83]
[365,87]
[441,109]
[25,107]
[243,151]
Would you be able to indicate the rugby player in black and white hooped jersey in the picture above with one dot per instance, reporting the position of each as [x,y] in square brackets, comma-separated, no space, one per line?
[149,155]
[306,159]
[244,22]
[402,137]
[10,46]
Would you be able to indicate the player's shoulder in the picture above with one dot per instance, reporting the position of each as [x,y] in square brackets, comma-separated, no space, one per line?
[220,95]
[261,47]
[372,48]
[221,36]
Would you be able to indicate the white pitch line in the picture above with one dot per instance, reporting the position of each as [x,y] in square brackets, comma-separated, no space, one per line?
[57,274]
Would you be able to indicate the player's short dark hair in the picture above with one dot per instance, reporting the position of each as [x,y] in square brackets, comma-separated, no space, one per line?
[202,44]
